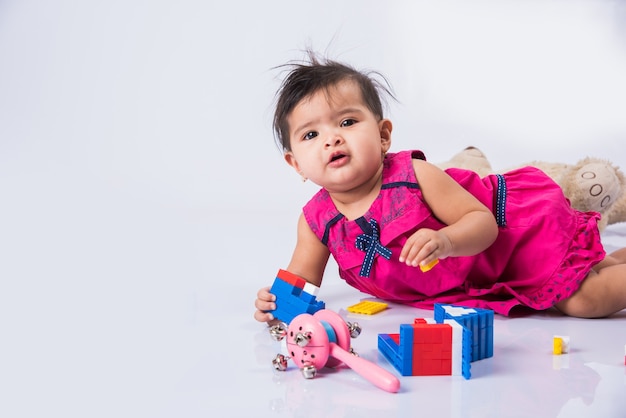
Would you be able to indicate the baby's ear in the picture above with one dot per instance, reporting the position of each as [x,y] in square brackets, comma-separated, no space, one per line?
[385,127]
[291,160]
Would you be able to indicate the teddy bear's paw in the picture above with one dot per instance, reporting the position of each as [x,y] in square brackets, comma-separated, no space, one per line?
[617,213]
[598,187]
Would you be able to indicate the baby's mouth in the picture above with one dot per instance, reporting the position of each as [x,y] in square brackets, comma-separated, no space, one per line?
[336,157]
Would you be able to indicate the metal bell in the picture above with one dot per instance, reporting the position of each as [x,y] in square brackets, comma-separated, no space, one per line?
[309,371]
[278,331]
[354,328]
[280,362]
[302,339]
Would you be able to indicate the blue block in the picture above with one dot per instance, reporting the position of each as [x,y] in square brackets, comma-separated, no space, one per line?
[406,349]
[466,366]
[479,322]
[307,297]
[292,301]
[400,356]
[390,350]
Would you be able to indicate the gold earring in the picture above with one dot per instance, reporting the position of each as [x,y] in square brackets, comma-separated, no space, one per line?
[304,179]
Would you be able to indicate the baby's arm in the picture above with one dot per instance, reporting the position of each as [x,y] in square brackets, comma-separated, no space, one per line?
[471,227]
[308,261]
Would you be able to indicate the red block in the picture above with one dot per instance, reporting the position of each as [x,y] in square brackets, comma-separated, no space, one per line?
[432,349]
[291,278]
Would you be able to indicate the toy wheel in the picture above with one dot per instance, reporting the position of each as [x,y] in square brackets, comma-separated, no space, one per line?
[341,331]
[316,352]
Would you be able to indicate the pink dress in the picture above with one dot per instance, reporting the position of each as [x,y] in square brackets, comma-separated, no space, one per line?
[544,248]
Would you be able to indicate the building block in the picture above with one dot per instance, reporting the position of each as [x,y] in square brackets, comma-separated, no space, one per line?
[560,345]
[445,345]
[311,289]
[388,345]
[479,321]
[462,349]
[367,307]
[291,278]
[432,349]
[294,296]
[429,266]
[425,348]
[458,359]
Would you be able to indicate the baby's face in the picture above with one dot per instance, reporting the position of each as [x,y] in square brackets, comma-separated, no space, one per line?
[336,141]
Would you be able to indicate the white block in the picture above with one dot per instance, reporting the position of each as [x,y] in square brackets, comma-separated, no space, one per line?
[311,289]
[458,310]
[457,347]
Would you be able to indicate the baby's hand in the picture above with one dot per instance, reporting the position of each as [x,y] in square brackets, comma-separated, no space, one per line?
[265,301]
[424,247]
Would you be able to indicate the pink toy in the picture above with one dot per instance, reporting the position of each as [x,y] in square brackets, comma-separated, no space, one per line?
[323,340]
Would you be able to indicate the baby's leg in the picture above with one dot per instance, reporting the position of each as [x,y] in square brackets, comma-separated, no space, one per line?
[619,256]
[616,257]
[601,294]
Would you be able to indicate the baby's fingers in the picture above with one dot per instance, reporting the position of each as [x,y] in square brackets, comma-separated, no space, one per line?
[265,295]
[414,255]
[410,250]
[263,316]
[265,301]
[409,254]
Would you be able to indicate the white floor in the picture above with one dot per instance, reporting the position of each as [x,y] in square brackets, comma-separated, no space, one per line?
[147,312]
[163,341]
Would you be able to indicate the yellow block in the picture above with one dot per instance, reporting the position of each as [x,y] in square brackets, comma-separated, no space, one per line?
[367,307]
[429,266]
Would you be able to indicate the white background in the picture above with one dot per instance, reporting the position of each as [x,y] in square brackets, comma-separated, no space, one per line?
[143,201]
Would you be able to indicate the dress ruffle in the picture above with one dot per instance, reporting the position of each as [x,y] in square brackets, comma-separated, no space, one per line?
[574,268]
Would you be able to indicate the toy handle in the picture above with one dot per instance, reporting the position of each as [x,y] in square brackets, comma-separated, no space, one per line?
[370,371]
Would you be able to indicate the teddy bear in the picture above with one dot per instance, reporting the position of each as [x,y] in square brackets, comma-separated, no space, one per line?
[592,184]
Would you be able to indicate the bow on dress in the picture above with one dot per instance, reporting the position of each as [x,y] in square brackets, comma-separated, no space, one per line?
[369,242]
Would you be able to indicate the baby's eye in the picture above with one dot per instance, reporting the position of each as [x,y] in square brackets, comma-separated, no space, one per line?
[310,135]
[348,122]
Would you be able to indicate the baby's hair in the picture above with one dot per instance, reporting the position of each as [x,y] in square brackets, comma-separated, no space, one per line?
[309,76]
